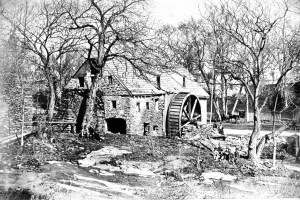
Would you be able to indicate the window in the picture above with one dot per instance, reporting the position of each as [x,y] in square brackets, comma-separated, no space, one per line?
[114,104]
[158,81]
[81,81]
[138,106]
[146,129]
[156,104]
[147,105]
[183,82]
[110,80]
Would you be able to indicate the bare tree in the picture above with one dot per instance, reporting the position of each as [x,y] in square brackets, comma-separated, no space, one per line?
[253,27]
[41,29]
[114,30]
[199,47]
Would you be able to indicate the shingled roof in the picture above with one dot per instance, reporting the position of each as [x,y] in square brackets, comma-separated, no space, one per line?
[143,82]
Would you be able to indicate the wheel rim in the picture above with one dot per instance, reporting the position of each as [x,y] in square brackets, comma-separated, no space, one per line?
[184,109]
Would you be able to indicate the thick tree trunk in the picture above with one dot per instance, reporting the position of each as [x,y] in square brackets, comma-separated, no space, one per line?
[216,105]
[90,102]
[51,105]
[260,146]
[81,114]
[58,91]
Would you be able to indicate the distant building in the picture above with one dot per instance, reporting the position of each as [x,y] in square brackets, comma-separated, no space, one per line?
[144,103]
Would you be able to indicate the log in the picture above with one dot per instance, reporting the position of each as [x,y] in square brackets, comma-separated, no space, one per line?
[12,138]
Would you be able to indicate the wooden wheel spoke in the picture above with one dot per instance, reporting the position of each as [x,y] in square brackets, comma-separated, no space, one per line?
[187,123]
[190,105]
[197,117]
[193,110]
[186,115]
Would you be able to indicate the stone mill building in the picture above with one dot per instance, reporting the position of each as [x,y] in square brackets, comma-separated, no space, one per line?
[145,103]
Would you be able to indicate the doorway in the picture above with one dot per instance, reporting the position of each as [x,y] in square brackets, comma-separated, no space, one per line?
[116,125]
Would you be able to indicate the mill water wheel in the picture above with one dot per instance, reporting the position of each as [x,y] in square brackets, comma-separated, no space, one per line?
[184,109]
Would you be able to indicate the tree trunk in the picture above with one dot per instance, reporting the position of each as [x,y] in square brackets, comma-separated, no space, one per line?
[90,103]
[81,114]
[212,96]
[252,151]
[51,105]
[247,107]
[297,149]
[226,97]
[23,113]
[223,93]
[58,91]
[260,146]
[216,104]
[273,132]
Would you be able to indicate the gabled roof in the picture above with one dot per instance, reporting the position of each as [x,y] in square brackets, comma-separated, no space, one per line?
[143,82]
[89,65]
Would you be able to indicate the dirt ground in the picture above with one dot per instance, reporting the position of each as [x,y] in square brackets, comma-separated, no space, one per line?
[136,167]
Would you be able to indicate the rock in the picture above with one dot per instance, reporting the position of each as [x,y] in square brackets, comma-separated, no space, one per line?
[105,173]
[94,171]
[81,148]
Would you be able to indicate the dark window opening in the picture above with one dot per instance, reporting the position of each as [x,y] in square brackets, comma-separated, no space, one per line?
[155,130]
[116,125]
[138,106]
[158,82]
[114,104]
[147,105]
[146,128]
[110,80]
[81,81]
[183,82]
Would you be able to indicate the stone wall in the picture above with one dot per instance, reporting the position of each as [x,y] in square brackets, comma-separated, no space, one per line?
[152,116]
[111,89]
[126,107]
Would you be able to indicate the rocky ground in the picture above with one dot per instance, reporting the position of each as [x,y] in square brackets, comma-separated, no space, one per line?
[138,167]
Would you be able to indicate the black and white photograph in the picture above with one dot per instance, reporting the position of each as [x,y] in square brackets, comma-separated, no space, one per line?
[149,99]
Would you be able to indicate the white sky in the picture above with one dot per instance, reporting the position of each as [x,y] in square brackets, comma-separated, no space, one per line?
[175,11]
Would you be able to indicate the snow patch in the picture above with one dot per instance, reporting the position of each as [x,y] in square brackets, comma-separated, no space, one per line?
[218,175]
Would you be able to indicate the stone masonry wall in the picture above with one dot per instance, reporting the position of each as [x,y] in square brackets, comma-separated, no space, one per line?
[111,89]
[126,107]
[153,116]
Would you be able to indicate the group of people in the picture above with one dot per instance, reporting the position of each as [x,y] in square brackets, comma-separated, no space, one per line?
[219,128]
[89,133]
[226,154]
